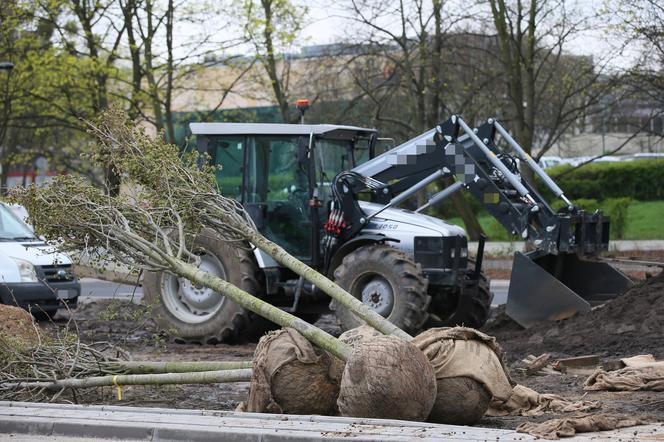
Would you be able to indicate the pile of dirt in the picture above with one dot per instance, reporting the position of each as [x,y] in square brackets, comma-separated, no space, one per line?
[17,327]
[632,323]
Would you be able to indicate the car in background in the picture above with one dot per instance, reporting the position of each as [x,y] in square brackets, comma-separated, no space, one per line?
[32,274]
[644,156]
[550,161]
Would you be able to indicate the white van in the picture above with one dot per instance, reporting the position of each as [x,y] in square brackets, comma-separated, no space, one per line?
[33,275]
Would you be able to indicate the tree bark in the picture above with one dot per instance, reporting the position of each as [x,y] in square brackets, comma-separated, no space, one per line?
[270,62]
[203,377]
[151,367]
[262,308]
[363,311]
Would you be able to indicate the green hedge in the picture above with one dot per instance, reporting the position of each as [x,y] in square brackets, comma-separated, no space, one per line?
[616,208]
[641,180]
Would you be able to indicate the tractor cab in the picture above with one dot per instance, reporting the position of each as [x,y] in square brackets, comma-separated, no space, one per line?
[282,174]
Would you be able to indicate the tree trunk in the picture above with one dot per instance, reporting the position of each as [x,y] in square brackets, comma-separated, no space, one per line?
[270,63]
[473,227]
[363,311]
[3,178]
[168,112]
[203,377]
[262,308]
[150,367]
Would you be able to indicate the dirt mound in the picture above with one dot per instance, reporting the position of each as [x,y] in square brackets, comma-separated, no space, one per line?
[17,326]
[630,324]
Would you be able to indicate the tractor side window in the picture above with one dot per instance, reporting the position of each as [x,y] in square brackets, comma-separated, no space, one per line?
[228,155]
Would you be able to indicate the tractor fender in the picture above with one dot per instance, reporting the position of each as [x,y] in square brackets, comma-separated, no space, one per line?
[354,244]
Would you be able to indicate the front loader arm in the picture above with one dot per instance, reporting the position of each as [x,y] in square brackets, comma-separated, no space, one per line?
[554,280]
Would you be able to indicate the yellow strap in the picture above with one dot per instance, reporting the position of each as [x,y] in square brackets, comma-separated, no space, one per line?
[115,382]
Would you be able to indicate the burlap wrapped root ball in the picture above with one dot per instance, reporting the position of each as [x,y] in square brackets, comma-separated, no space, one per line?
[292,376]
[17,329]
[389,378]
[359,334]
[469,373]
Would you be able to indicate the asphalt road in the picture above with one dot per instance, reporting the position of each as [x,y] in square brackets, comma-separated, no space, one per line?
[98,289]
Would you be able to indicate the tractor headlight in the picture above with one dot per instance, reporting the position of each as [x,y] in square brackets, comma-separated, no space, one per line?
[26,270]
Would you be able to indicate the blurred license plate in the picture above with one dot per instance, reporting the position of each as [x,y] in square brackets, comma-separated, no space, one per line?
[66,294]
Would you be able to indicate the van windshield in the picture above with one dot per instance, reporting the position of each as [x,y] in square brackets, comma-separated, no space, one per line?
[12,228]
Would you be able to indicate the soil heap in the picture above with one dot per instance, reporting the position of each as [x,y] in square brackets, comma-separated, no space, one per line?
[632,323]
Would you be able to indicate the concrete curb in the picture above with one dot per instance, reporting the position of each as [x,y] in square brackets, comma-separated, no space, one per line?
[159,424]
[508,248]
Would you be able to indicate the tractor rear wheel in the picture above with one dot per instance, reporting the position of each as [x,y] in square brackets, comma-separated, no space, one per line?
[388,281]
[199,314]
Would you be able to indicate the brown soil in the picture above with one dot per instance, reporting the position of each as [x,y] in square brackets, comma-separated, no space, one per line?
[17,326]
[630,325]
[633,323]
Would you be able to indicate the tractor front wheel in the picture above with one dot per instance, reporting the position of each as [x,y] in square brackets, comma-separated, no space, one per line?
[388,281]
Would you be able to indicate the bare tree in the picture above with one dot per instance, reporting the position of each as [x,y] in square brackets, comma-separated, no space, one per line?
[271,26]
[547,90]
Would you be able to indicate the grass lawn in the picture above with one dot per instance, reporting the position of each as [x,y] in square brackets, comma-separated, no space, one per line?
[645,220]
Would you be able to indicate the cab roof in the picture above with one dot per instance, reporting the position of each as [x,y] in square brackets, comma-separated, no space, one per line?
[326,130]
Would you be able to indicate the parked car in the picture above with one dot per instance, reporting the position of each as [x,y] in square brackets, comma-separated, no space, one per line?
[549,161]
[32,274]
[644,156]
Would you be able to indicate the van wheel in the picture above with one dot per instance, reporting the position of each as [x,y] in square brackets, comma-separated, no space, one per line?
[388,281]
[198,314]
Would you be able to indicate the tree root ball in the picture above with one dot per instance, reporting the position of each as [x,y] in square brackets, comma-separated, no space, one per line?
[359,334]
[461,401]
[469,373]
[18,328]
[301,388]
[292,376]
[387,378]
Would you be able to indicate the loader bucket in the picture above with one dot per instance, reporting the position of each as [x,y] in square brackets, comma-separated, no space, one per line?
[553,287]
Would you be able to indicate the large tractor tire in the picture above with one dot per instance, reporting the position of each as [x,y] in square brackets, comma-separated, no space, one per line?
[387,280]
[199,314]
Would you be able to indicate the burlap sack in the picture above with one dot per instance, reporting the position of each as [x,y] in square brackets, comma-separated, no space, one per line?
[568,427]
[17,328]
[466,352]
[359,334]
[627,379]
[527,402]
[292,376]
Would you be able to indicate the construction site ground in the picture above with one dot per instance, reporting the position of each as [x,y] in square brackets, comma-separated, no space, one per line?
[628,326]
